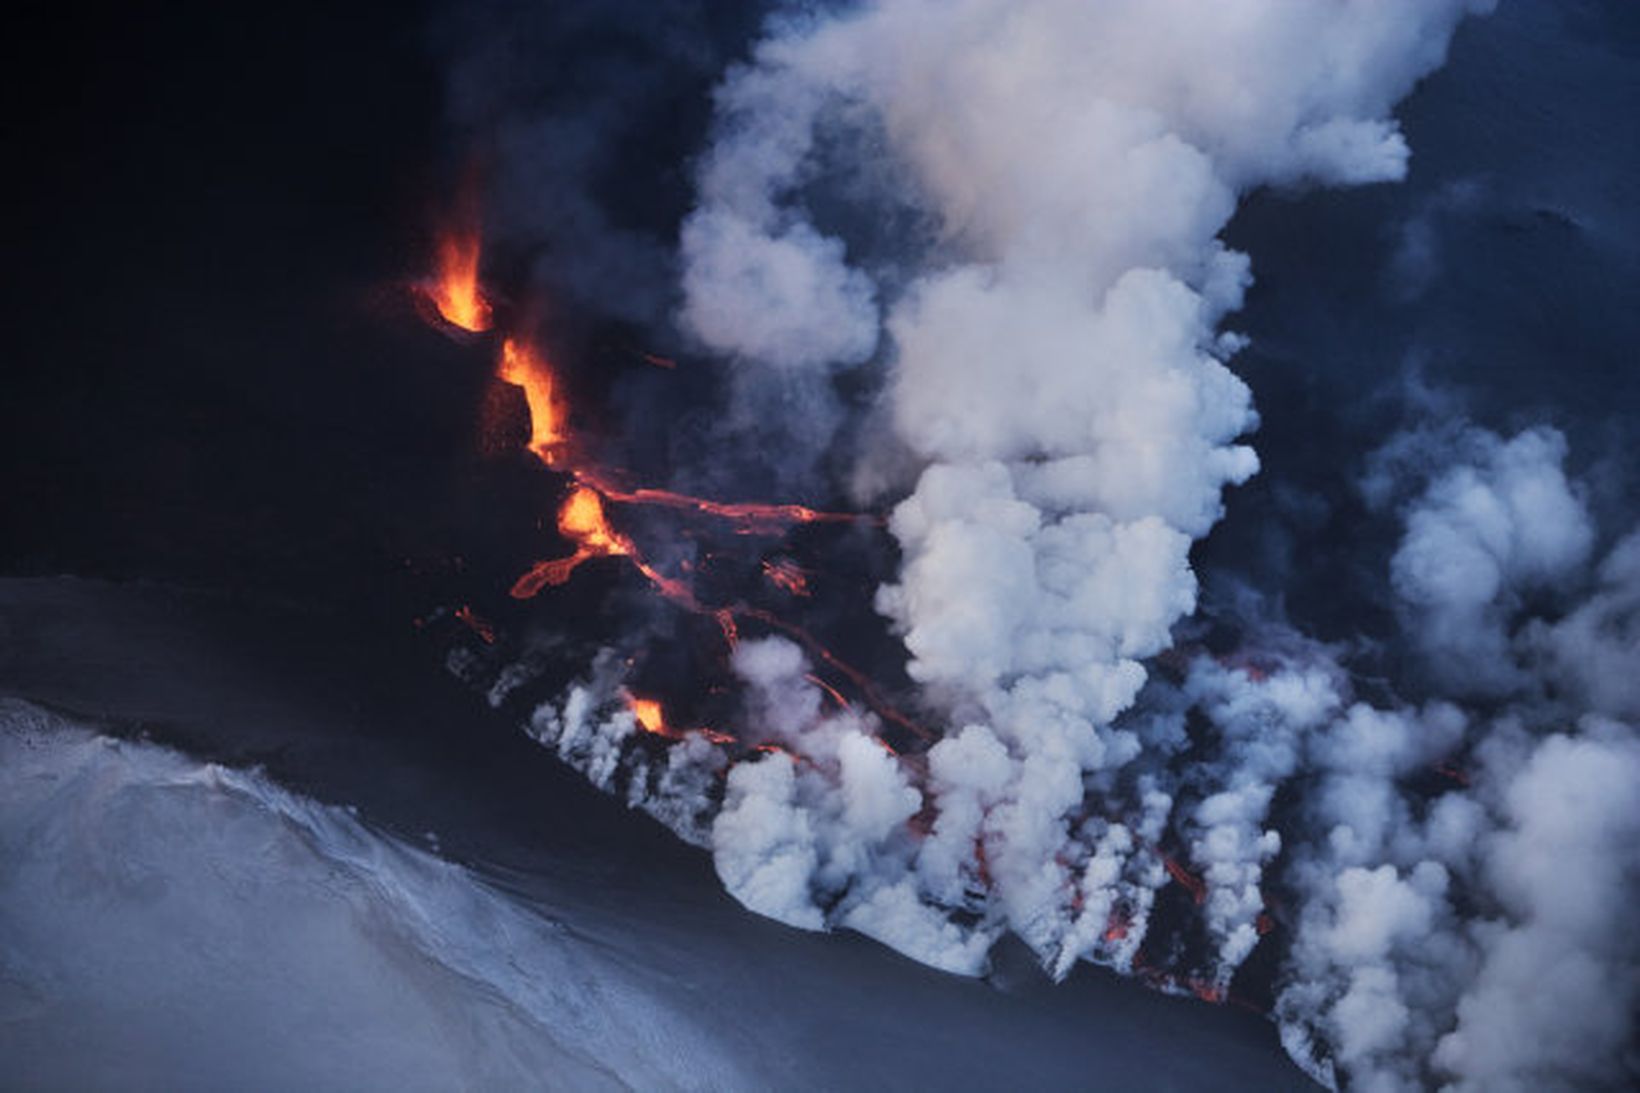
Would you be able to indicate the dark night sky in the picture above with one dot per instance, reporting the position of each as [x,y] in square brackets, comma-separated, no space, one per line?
[210,373]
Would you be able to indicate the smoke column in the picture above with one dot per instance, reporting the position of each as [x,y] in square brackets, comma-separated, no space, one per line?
[1006,216]
[1056,370]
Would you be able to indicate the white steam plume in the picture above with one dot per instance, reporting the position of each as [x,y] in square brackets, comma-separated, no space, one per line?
[1474,934]
[1502,523]
[1456,881]
[1056,369]
[1054,375]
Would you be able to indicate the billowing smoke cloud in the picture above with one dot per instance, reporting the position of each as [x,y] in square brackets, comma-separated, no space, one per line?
[1445,862]
[1554,999]
[1593,649]
[1452,878]
[1474,931]
[1056,364]
[1502,524]
[1076,163]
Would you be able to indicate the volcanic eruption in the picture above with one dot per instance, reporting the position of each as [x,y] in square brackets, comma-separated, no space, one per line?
[957,693]
[1121,509]
[454,290]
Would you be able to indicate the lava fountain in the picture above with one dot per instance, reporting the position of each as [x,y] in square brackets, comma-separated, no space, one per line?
[454,290]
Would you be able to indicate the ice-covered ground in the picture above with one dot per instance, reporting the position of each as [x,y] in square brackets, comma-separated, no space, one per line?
[198,926]
[167,921]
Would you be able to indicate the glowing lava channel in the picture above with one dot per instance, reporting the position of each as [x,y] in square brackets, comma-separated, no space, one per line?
[582,520]
[751,518]
[523,367]
[787,576]
[460,301]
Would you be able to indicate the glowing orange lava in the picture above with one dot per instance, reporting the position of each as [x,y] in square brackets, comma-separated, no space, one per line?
[831,692]
[651,718]
[475,622]
[580,519]
[523,367]
[455,290]
[1191,883]
[1210,993]
[868,690]
[648,714]
[454,298]
[788,576]
[751,517]
[731,629]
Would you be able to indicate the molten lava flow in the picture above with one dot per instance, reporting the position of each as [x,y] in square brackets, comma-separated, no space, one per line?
[651,718]
[731,629]
[1207,991]
[752,518]
[582,520]
[1188,880]
[455,290]
[862,683]
[549,573]
[788,576]
[648,714]
[831,692]
[475,622]
[523,367]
